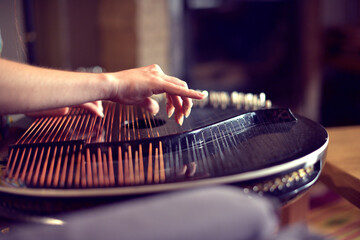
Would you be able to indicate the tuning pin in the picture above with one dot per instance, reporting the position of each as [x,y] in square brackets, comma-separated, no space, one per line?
[268,104]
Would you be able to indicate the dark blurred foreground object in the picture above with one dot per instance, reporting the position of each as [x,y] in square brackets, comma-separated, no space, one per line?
[207,213]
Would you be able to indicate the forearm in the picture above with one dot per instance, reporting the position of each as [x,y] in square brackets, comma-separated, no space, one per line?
[25,88]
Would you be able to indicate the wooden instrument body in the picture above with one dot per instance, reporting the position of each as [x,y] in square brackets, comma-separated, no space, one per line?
[128,153]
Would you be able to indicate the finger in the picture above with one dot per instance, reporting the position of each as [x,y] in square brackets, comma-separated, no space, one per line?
[169,106]
[179,115]
[174,89]
[150,105]
[99,105]
[157,68]
[93,108]
[175,80]
[187,105]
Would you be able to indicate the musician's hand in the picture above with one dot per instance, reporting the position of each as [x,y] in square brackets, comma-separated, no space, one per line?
[135,86]
[93,107]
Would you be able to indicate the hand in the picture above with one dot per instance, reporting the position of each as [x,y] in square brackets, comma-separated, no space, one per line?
[135,86]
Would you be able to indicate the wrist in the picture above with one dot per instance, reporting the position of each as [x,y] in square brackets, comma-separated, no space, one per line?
[106,85]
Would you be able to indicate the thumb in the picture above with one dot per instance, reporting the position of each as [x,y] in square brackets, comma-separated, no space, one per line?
[150,105]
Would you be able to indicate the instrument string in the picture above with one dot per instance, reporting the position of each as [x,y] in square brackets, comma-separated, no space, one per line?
[43,172]
[202,155]
[137,125]
[226,147]
[96,167]
[214,141]
[179,156]
[71,126]
[150,126]
[83,170]
[88,165]
[16,176]
[59,128]
[37,170]
[234,147]
[38,132]
[46,128]
[106,171]
[111,168]
[153,120]
[100,167]
[94,171]
[149,172]
[78,168]
[126,169]
[64,128]
[161,163]
[91,128]
[51,168]
[23,174]
[51,128]
[13,164]
[156,167]
[146,122]
[77,117]
[52,135]
[147,127]
[141,163]
[71,168]
[107,120]
[195,154]
[131,166]
[207,156]
[133,122]
[57,169]
[85,126]
[169,165]
[120,167]
[29,176]
[112,122]
[120,118]
[127,125]
[83,117]
[136,168]
[64,169]
[101,124]
[28,132]
[188,149]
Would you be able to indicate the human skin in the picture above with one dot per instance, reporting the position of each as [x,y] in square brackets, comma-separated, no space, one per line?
[25,89]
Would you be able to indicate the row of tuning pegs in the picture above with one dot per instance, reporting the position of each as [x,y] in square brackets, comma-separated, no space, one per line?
[239,100]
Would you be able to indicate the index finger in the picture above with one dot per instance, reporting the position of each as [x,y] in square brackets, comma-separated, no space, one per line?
[175,89]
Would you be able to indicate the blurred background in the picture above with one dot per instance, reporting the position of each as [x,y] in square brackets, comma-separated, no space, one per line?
[304,54]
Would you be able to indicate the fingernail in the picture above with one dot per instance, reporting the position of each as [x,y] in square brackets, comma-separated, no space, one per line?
[102,114]
[187,113]
[180,119]
[170,111]
[205,93]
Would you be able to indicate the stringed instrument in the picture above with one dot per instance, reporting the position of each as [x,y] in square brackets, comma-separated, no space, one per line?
[237,139]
